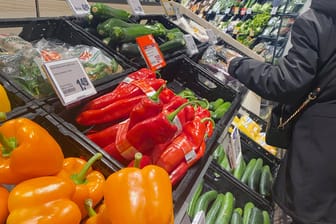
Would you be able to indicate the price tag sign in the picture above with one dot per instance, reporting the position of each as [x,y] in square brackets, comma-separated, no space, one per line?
[136,7]
[236,30]
[234,149]
[79,7]
[249,11]
[168,8]
[212,36]
[227,11]
[274,10]
[69,80]
[177,12]
[190,44]
[235,10]
[151,52]
[199,218]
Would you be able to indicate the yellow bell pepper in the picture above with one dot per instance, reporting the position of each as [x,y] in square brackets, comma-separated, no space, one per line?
[5,105]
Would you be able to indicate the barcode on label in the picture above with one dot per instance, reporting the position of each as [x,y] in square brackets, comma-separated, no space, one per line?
[190,156]
[67,89]
[153,55]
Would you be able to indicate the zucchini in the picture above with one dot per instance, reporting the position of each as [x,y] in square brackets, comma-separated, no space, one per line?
[239,210]
[236,218]
[172,45]
[174,33]
[226,210]
[266,217]
[212,213]
[105,27]
[204,200]
[130,50]
[104,11]
[266,181]
[219,153]
[129,34]
[247,210]
[254,178]
[248,171]
[240,169]
[221,110]
[192,203]
[255,216]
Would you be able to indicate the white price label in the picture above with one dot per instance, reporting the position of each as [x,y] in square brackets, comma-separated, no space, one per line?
[79,7]
[136,7]
[227,11]
[249,11]
[234,148]
[212,36]
[153,55]
[274,10]
[69,80]
[199,218]
[190,44]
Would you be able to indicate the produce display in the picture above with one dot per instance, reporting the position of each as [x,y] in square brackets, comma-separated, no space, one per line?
[254,23]
[143,115]
[23,65]
[47,186]
[220,207]
[251,172]
[118,31]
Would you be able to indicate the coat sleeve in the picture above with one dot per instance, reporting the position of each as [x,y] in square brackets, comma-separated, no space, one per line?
[290,80]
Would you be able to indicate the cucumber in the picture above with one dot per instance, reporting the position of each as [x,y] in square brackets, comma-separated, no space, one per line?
[204,200]
[236,218]
[172,45]
[174,34]
[266,181]
[240,169]
[219,153]
[254,178]
[239,210]
[247,210]
[255,216]
[226,210]
[266,217]
[248,170]
[225,164]
[221,110]
[129,34]
[130,50]
[212,213]
[105,11]
[105,27]
[192,203]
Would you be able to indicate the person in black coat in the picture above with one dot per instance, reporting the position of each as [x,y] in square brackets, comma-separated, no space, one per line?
[305,186]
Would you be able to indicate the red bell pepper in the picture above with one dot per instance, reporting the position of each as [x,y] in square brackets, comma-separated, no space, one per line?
[210,124]
[125,89]
[183,147]
[166,95]
[112,150]
[153,131]
[103,138]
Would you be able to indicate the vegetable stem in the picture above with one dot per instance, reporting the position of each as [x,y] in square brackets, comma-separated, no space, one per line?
[80,178]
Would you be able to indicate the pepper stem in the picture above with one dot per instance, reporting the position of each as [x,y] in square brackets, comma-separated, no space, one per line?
[88,207]
[3,116]
[8,145]
[155,96]
[208,119]
[137,159]
[173,114]
[80,178]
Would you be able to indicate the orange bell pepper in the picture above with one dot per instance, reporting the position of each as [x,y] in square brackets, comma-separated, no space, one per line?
[96,218]
[141,196]
[27,151]
[43,200]
[3,204]
[89,183]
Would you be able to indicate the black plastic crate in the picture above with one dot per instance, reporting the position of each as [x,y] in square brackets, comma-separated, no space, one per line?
[143,19]
[249,153]
[72,145]
[59,28]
